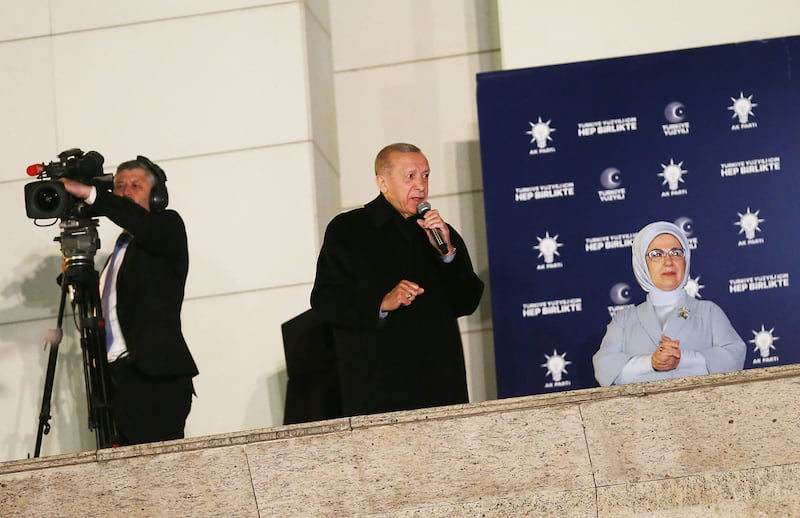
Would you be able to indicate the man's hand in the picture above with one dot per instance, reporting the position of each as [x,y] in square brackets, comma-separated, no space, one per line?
[401,295]
[77,189]
[432,219]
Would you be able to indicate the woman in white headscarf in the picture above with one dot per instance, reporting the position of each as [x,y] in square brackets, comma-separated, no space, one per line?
[669,335]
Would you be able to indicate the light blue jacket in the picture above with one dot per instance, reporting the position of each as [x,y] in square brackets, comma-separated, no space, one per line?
[708,343]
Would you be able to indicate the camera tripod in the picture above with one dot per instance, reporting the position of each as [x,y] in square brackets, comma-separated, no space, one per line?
[79,243]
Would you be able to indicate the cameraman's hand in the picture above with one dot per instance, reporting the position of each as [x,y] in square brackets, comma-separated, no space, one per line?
[77,189]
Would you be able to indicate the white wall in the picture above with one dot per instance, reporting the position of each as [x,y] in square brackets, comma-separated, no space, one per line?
[547,33]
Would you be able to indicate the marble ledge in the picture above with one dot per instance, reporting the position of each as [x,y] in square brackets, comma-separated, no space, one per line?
[346,424]
[578,396]
[178,446]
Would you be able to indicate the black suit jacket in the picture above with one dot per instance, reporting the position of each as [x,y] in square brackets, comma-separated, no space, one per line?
[150,286]
[414,357]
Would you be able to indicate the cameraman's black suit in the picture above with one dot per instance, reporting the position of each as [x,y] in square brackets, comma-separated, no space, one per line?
[150,289]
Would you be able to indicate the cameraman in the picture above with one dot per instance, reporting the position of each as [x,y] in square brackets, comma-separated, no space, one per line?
[142,288]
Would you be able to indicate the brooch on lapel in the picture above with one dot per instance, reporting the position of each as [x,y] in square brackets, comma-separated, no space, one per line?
[683,312]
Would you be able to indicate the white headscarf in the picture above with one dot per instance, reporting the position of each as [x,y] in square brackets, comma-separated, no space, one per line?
[641,243]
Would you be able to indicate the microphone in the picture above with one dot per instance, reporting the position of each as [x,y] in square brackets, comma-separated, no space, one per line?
[422,208]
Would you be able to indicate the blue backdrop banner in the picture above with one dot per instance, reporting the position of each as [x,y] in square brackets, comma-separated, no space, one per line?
[577,158]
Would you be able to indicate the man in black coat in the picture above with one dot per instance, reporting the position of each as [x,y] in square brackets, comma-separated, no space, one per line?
[143,287]
[393,297]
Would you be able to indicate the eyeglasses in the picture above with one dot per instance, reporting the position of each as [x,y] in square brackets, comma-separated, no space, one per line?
[657,255]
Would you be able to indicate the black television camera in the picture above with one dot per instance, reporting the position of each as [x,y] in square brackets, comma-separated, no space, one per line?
[48,198]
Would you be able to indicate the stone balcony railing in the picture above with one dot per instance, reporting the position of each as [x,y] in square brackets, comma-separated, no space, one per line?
[723,445]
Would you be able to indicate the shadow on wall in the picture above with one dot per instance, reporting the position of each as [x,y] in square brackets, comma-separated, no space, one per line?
[35,289]
[468,165]
[33,292]
[22,392]
[274,388]
[469,178]
[487,24]
[70,405]
[32,298]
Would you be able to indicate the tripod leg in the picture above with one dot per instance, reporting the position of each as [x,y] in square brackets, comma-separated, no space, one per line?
[97,374]
[47,393]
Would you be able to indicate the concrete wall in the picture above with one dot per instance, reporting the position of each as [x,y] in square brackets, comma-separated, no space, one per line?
[711,446]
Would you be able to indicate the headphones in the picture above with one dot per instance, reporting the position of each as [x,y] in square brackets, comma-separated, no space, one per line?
[159,198]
